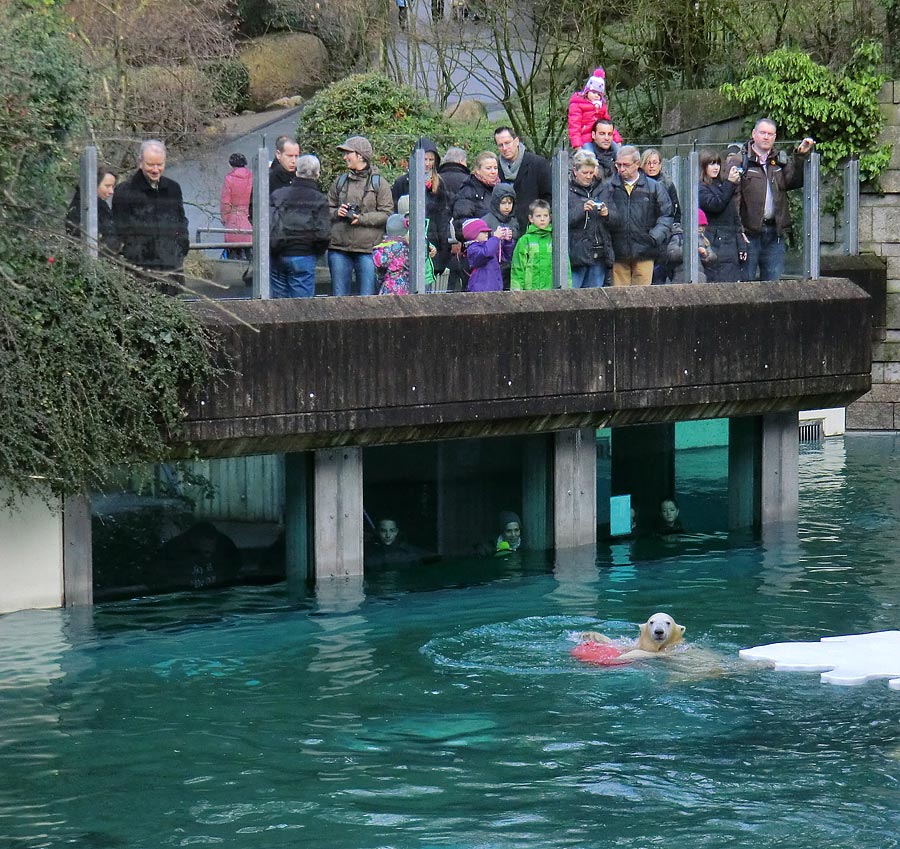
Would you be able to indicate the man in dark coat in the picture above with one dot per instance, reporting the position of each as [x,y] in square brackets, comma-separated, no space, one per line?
[300,231]
[640,218]
[528,173]
[454,171]
[148,213]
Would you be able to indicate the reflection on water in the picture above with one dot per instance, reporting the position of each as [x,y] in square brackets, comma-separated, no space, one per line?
[442,708]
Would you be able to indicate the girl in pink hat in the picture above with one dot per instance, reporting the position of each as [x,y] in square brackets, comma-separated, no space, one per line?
[585,108]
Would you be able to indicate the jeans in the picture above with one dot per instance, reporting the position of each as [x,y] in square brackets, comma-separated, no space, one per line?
[588,276]
[343,264]
[766,251]
[293,276]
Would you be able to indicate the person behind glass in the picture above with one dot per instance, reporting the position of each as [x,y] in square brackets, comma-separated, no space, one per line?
[391,257]
[390,547]
[437,204]
[502,214]
[532,261]
[485,251]
[668,521]
[360,202]
[705,254]
[528,172]
[590,247]
[454,172]
[108,241]
[586,107]
[724,229]
[651,165]
[300,231]
[234,205]
[149,217]
[473,200]
[605,148]
[762,197]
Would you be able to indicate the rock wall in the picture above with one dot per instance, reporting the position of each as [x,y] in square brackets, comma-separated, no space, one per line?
[879,235]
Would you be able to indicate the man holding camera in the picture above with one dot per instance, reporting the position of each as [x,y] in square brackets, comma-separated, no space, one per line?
[360,202]
[766,178]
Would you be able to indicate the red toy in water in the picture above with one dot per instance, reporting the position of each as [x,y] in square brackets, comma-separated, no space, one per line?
[600,654]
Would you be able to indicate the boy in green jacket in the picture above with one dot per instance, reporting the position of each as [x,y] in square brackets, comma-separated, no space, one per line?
[532,261]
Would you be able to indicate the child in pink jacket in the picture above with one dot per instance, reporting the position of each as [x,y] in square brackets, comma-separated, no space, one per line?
[585,108]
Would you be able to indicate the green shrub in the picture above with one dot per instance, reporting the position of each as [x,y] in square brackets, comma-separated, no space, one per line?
[391,116]
[230,83]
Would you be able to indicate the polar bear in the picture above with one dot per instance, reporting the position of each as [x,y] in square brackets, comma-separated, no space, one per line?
[658,634]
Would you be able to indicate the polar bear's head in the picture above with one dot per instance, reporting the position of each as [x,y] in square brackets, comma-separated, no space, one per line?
[660,632]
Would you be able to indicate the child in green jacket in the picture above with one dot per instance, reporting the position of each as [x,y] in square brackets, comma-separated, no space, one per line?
[532,261]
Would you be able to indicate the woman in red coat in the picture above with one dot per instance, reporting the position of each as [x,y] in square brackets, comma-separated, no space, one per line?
[234,205]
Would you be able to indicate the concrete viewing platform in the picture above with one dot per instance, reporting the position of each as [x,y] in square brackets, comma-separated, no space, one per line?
[326,372]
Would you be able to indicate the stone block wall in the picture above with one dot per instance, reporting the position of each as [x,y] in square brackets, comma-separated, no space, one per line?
[879,235]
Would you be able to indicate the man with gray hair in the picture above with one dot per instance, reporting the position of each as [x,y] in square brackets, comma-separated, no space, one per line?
[149,217]
[640,217]
[300,230]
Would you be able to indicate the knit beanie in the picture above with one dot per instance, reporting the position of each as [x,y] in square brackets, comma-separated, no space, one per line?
[472,227]
[396,226]
[596,82]
[702,220]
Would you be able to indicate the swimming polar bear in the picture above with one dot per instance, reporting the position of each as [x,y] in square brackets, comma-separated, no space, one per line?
[658,634]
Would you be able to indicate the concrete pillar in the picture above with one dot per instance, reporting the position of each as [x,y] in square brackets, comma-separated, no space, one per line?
[78,570]
[779,473]
[297,492]
[744,446]
[338,510]
[643,466]
[575,488]
[763,454]
[536,503]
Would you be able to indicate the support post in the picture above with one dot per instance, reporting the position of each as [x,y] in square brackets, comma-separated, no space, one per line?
[338,510]
[536,506]
[575,488]
[779,473]
[744,447]
[851,208]
[811,244]
[261,257]
[417,241]
[89,200]
[690,202]
[297,492]
[78,572]
[560,211]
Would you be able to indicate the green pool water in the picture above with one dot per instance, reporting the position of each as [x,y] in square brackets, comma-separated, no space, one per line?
[442,709]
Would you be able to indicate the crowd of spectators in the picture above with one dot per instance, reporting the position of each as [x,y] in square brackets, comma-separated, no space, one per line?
[488,226]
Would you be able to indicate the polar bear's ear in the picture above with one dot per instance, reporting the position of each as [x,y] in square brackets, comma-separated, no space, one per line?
[681,629]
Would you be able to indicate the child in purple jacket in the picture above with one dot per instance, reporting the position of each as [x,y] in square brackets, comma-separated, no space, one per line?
[484,253]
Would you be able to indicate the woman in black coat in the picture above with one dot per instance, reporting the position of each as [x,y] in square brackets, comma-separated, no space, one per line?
[724,230]
[106,232]
[474,198]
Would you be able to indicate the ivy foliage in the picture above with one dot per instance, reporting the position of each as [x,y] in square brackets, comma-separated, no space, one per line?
[838,108]
[93,363]
[390,115]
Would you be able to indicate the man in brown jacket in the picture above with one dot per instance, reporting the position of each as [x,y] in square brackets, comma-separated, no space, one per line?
[766,178]
[360,202]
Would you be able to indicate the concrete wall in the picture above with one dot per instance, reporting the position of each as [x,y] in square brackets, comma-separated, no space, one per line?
[31,556]
[316,373]
[879,234]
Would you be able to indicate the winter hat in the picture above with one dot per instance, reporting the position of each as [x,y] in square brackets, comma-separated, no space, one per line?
[472,227]
[396,226]
[403,204]
[702,220]
[507,517]
[596,82]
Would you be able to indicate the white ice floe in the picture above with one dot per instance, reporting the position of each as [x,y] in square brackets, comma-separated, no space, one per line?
[849,660]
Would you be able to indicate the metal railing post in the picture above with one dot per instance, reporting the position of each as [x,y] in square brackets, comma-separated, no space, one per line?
[560,210]
[690,203]
[851,207]
[89,200]
[261,257]
[418,245]
[811,246]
